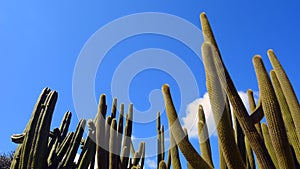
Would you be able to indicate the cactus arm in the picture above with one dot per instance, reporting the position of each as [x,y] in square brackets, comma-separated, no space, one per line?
[253,107]
[18,138]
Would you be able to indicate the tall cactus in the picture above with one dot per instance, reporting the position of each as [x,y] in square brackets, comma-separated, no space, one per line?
[204,137]
[217,98]
[100,131]
[185,146]
[268,143]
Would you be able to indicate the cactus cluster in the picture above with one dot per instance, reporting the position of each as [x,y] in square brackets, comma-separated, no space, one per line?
[40,148]
[244,143]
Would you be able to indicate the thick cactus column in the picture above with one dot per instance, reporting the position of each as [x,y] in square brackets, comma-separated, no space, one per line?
[185,146]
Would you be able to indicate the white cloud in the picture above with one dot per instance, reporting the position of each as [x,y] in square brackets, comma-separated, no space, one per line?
[76,158]
[150,164]
[191,118]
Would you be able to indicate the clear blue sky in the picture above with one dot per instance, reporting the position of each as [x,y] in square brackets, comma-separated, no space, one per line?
[40,43]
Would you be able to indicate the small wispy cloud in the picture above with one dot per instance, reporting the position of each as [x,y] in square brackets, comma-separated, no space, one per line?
[150,164]
[76,158]
[191,118]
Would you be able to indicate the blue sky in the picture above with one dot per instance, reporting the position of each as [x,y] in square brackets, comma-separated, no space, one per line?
[41,41]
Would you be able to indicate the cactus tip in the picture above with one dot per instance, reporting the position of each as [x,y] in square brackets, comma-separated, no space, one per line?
[165,88]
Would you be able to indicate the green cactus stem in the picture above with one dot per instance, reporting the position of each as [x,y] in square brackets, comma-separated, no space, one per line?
[100,132]
[204,137]
[68,160]
[185,146]
[175,160]
[268,143]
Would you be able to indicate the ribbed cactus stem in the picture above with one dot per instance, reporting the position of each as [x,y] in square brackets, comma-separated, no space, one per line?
[252,106]
[127,138]
[287,117]
[189,166]
[138,155]
[124,157]
[88,151]
[106,142]
[168,163]
[273,116]
[217,98]
[38,153]
[64,126]
[287,89]
[185,146]
[74,145]
[204,137]
[30,129]
[16,159]
[159,148]
[162,165]
[268,143]
[143,152]
[120,134]
[240,139]
[114,108]
[113,162]
[175,160]
[162,142]
[222,159]
[57,157]
[250,157]
[100,131]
